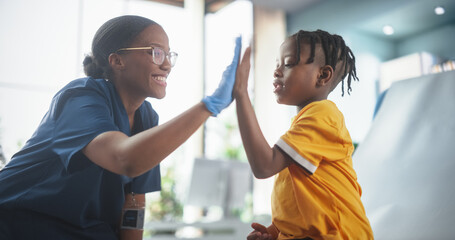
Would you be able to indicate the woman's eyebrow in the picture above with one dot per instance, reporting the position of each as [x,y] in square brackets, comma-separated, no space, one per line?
[159,45]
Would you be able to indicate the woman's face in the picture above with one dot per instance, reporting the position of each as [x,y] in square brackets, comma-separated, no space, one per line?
[141,77]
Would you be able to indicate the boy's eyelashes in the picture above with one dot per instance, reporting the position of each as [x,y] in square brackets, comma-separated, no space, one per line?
[286,65]
[289,64]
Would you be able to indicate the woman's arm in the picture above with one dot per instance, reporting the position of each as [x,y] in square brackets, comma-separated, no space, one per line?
[135,155]
[264,160]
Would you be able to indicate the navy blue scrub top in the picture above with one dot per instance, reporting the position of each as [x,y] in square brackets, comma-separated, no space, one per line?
[52,189]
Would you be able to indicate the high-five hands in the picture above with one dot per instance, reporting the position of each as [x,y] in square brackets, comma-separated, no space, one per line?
[243,72]
[222,97]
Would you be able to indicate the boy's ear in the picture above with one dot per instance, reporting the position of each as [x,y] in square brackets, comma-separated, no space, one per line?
[325,75]
[116,61]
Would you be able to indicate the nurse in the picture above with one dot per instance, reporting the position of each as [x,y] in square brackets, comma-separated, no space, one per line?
[98,148]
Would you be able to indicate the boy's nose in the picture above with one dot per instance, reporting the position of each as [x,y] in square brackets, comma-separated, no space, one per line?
[276,73]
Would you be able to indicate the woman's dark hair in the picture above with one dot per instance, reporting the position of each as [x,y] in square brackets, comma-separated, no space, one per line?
[334,49]
[116,33]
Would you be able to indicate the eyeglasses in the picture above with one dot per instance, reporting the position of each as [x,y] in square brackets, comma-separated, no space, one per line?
[158,54]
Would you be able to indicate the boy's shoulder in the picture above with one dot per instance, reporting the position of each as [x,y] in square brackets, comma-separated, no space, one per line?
[320,107]
[324,110]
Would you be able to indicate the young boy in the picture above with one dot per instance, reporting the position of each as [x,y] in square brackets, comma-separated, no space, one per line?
[316,194]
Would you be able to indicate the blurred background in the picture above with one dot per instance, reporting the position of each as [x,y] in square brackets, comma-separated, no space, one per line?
[208,190]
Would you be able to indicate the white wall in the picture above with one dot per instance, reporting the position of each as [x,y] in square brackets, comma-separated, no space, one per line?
[36,60]
[437,41]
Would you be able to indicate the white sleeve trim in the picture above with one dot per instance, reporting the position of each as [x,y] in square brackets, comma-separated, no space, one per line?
[296,156]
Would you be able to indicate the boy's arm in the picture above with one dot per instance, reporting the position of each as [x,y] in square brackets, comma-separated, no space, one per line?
[264,160]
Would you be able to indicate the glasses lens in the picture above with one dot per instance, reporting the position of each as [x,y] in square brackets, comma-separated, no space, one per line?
[172,57]
[158,55]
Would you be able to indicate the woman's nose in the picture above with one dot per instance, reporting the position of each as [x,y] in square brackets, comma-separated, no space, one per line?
[166,65]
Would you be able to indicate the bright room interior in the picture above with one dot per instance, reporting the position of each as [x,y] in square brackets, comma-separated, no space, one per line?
[44,42]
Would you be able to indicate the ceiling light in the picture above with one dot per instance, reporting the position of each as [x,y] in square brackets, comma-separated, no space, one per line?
[439,10]
[387,30]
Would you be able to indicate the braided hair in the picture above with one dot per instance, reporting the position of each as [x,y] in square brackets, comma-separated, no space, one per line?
[116,33]
[335,50]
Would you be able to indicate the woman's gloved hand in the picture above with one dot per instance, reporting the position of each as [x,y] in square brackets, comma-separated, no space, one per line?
[222,97]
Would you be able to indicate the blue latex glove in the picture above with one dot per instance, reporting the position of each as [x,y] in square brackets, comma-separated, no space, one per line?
[222,97]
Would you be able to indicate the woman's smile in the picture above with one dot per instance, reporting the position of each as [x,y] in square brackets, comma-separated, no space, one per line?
[160,80]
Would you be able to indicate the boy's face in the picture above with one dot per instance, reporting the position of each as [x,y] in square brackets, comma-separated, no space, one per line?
[296,84]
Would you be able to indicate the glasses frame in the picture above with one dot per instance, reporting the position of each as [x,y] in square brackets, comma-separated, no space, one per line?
[169,56]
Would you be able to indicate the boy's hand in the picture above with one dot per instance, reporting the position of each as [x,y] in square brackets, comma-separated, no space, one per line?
[222,97]
[243,71]
[260,233]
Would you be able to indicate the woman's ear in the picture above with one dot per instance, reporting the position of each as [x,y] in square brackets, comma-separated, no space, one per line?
[325,75]
[116,61]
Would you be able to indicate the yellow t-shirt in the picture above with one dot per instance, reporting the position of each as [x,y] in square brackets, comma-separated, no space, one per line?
[318,195]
